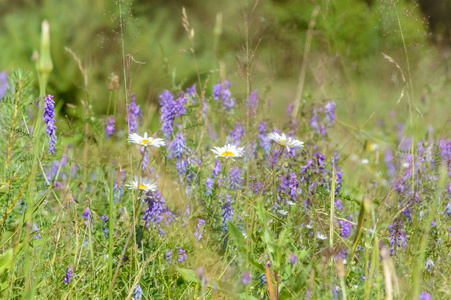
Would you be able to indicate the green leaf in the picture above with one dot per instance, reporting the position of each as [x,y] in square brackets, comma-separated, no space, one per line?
[188,275]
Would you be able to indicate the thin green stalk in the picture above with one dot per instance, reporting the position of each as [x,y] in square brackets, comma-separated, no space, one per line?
[110,233]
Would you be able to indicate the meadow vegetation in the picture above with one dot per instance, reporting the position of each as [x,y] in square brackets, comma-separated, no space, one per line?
[245,150]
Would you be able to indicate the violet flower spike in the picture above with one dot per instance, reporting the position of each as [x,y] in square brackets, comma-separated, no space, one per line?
[49,119]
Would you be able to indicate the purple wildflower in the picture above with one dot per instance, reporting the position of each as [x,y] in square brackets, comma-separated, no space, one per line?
[69,274]
[169,255]
[227,211]
[263,139]
[156,209]
[216,169]
[397,235]
[117,193]
[329,109]
[425,296]
[104,219]
[137,293]
[236,134]
[134,114]
[316,122]
[178,145]
[209,184]
[37,236]
[388,155]
[222,91]
[245,277]
[200,229]
[191,92]
[3,83]
[293,259]
[49,119]
[345,228]
[252,103]
[109,129]
[235,178]
[293,185]
[170,109]
[182,254]
[87,216]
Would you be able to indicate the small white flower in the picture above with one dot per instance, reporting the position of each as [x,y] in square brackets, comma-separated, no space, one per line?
[285,141]
[228,151]
[144,185]
[309,226]
[320,236]
[283,212]
[365,161]
[145,140]
[291,202]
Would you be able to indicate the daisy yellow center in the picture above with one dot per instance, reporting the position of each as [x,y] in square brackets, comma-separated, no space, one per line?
[142,186]
[282,141]
[227,153]
[145,142]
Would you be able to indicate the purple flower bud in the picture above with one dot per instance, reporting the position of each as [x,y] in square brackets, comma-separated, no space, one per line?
[397,235]
[169,255]
[345,228]
[234,178]
[191,92]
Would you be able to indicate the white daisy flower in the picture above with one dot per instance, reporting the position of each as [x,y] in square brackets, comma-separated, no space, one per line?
[145,140]
[144,185]
[228,150]
[320,236]
[285,141]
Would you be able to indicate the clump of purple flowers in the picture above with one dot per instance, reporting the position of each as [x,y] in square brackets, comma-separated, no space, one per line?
[252,103]
[134,114]
[170,109]
[110,126]
[69,274]
[345,228]
[49,119]
[397,236]
[222,91]
[156,209]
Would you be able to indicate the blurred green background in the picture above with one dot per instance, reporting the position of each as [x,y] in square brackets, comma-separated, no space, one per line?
[345,62]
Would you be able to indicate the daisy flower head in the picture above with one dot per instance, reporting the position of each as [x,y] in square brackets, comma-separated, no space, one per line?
[145,140]
[228,151]
[143,185]
[285,141]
